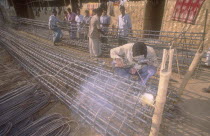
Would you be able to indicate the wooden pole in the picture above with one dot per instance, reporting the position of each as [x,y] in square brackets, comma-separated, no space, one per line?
[195,61]
[190,71]
[165,74]
[70,4]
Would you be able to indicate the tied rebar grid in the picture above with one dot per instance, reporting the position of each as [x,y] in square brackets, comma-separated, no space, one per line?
[91,112]
[186,43]
[110,104]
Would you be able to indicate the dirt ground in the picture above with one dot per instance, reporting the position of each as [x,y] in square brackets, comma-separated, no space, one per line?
[193,112]
[192,117]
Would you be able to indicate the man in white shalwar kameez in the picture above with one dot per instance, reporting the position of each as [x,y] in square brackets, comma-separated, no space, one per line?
[124,26]
[94,35]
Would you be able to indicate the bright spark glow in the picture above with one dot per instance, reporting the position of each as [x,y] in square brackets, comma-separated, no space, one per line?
[147,99]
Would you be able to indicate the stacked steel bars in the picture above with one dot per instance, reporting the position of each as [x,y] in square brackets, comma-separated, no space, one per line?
[19,105]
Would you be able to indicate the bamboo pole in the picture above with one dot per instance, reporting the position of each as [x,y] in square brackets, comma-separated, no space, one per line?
[195,61]
[162,92]
[190,71]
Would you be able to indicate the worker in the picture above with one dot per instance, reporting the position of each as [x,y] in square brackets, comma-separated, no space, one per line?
[94,12]
[124,26]
[79,20]
[73,27]
[65,16]
[135,59]
[105,22]
[86,23]
[53,20]
[94,34]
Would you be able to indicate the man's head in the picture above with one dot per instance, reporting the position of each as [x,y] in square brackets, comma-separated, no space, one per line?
[94,11]
[78,11]
[54,12]
[139,48]
[87,13]
[122,10]
[65,13]
[99,12]
[69,10]
[104,13]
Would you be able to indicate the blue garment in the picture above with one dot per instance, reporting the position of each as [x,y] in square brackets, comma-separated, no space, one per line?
[73,31]
[57,34]
[145,73]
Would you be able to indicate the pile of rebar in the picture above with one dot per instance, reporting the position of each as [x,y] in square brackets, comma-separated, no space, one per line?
[108,102]
[19,105]
[51,125]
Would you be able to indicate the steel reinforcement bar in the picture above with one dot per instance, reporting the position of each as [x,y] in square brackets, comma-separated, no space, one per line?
[111,105]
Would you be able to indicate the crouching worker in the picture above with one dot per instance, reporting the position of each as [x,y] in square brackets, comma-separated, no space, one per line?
[134,59]
[53,20]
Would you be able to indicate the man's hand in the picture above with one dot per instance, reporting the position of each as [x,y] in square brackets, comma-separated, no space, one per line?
[119,63]
[133,71]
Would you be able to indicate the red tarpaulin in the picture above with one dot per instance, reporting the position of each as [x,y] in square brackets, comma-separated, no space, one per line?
[186,10]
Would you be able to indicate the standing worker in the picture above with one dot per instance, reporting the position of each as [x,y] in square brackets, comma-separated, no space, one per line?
[135,59]
[124,26]
[71,19]
[79,20]
[94,34]
[105,22]
[65,16]
[53,20]
[86,23]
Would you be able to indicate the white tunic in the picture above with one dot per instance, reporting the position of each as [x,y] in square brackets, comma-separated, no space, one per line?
[53,20]
[79,21]
[86,20]
[104,20]
[125,53]
[124,25]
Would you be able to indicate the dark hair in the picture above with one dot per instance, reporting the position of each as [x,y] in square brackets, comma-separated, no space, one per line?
[68,9]
[99,10]
[86,11]
[95,10]
[139,48]
[122,8]
[54,11]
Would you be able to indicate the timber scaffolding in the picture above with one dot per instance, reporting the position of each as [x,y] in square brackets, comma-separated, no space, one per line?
[185,43]
[109,103]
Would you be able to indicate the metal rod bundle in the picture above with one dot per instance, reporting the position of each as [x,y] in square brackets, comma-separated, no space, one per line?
[49,125]
[19,105]
[22,105]
[111,105]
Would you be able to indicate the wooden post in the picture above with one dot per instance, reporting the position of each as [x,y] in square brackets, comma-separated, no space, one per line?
[162,92]
[190,71]
[195,61]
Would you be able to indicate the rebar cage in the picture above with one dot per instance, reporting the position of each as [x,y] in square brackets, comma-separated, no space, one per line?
[111,104]
[186,43]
